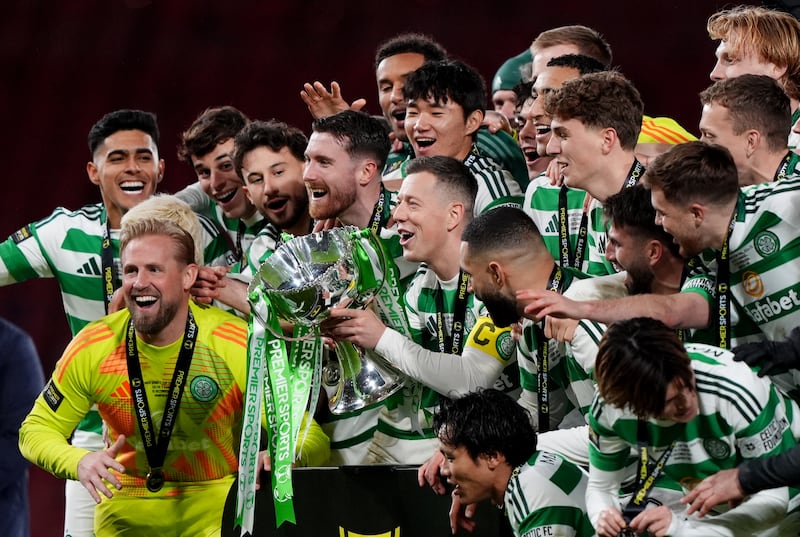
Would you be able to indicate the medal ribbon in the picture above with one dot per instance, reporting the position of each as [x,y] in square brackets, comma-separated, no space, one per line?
[377,221]
[788,163]
[723,287]
[646,478]
[155,446]
[554,284]
[688,268]
[110,281]
[568,259]
[454,343]
[635,173]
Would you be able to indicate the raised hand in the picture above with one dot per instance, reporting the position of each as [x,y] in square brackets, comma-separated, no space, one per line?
[324,103]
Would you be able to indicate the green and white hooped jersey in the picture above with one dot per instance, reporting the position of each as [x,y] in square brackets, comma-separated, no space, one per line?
[264,244]
[482,340]
[764,261]
[741,416]
[65,246]
[542,205]
[571,368]
[504,149]
[547,496]
[208,208]
[493,344]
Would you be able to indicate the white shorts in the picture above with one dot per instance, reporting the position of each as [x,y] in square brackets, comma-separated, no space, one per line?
[79,504]
[78,511]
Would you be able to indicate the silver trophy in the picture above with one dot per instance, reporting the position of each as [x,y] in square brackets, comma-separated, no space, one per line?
[308,275]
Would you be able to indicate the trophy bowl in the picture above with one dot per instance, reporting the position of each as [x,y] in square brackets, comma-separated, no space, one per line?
[308,275]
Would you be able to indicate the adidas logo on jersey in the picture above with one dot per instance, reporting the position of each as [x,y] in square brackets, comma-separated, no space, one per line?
[552,226]
[90,268]
[601,244]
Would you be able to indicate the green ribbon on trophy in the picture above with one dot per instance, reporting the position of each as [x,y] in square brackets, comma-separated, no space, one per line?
[251,428]
[282,384]
[299,283]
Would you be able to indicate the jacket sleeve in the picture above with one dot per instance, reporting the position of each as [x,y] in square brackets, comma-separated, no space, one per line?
[770,472]
[65,400]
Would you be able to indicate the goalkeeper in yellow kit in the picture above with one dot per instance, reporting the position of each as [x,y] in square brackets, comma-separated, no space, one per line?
[168,377]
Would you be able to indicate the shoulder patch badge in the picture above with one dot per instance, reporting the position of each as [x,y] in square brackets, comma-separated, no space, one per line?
[52,396]
[22,234]
[505,345]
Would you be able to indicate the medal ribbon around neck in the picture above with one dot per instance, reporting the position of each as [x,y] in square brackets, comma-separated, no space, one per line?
[110,281]
[155,445]
[555,282]
[454,343]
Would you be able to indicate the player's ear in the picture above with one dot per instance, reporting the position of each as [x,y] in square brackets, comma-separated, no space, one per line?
[189,276]
[93,172]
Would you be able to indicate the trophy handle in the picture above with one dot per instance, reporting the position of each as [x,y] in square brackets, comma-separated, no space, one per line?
[363,381]
[377,246]
[261,320]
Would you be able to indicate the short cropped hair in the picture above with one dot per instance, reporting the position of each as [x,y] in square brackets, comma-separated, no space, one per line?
[600,100]
[272,134]
[773,36]
[185,248]
[170,208]
[637,360]
[122,120]
[580,62]
[503,230]
[361,135]
[694,172]
[447,80]
[212,127]
[631,209]
[413,43]
[486,422]
[754,102]
[453,177]
[588,41]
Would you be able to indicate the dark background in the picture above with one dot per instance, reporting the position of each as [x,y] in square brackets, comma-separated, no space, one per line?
[66,63]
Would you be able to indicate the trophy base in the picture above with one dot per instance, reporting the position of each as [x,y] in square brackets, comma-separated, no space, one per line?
[363,382]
